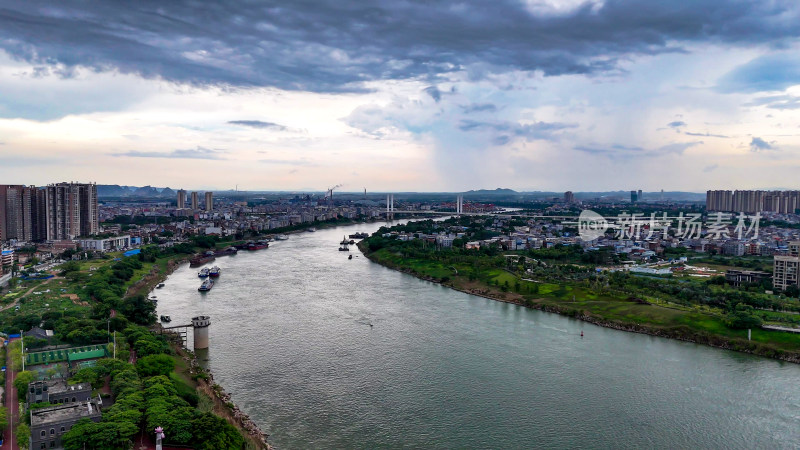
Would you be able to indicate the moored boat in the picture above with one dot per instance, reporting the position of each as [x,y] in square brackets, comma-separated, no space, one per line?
[166,319]
[208,283]
[203,272]
[257,245]
[199,260]
[214,272]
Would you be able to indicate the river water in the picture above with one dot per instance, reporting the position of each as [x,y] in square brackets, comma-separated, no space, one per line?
[326,352]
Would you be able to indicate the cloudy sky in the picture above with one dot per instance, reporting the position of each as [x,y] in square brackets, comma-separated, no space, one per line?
[402,95]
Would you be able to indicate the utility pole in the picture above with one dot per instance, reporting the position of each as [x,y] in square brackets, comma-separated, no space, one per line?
[22,349]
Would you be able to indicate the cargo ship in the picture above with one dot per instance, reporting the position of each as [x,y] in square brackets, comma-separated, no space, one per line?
[359,236]
[199,260]
[214,272]
[208,283]
[226,251]
[257,245]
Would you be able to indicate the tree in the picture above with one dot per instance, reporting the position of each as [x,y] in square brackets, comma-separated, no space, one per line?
[3,417]
[214,433]
[743,320]
[86,434]
[22,381]
[88,375]
[155,365]
[23,435]
[139,310]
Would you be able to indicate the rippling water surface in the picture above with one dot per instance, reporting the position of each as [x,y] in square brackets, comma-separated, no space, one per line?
[326,352]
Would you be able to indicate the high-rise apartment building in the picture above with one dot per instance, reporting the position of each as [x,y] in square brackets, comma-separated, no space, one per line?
[209,201]
[21,213]
[634,197]
[195,201]
[569,197]
[71,210]
[639,195]
[750,202]
[181,199]
[786,268]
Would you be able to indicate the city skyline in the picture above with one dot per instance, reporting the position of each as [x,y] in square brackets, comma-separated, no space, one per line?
[552,96]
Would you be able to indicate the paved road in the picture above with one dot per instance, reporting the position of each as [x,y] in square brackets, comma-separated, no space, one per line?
[10,442]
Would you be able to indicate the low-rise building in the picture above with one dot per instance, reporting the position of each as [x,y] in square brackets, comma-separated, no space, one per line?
[58,392]
[738,277]
[48,425]
[105,245]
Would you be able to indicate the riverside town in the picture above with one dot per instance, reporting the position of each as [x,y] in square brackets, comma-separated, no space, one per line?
[549,224]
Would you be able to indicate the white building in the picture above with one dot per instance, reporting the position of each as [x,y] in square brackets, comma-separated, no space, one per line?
[105,245]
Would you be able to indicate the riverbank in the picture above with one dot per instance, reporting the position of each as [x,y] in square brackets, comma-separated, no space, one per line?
[682,332]
[198,377]
[192,373]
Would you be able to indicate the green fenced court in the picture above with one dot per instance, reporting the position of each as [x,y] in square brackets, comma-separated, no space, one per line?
[66,354]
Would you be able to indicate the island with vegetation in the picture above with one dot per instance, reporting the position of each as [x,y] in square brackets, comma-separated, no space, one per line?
[471,254]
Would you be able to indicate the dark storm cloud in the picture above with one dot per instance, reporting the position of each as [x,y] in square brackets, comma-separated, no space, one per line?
[332,45]
[774,72]
[504,131]
[624,151]
[195,153]
[689,133]
[479,107]
[258,124]
[434,92]
[777,102]
[758,144]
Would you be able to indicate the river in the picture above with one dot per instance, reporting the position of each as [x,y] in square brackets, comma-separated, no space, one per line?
[326,352]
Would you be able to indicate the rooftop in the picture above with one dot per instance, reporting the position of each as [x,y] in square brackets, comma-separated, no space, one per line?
[63,412]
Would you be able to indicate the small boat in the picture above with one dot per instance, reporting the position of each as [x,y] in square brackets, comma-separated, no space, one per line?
[343,248]
[166,319]
[352,242]
[311,230]
[214,272]
[344,241]
[281,237]
[160,285]
[350,257]
[208,283]
[204,272]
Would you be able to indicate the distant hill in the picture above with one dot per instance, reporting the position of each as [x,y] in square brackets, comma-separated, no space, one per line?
[498,191]
[111,190]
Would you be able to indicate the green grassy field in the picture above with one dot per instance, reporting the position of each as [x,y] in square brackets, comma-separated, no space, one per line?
[695,322]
